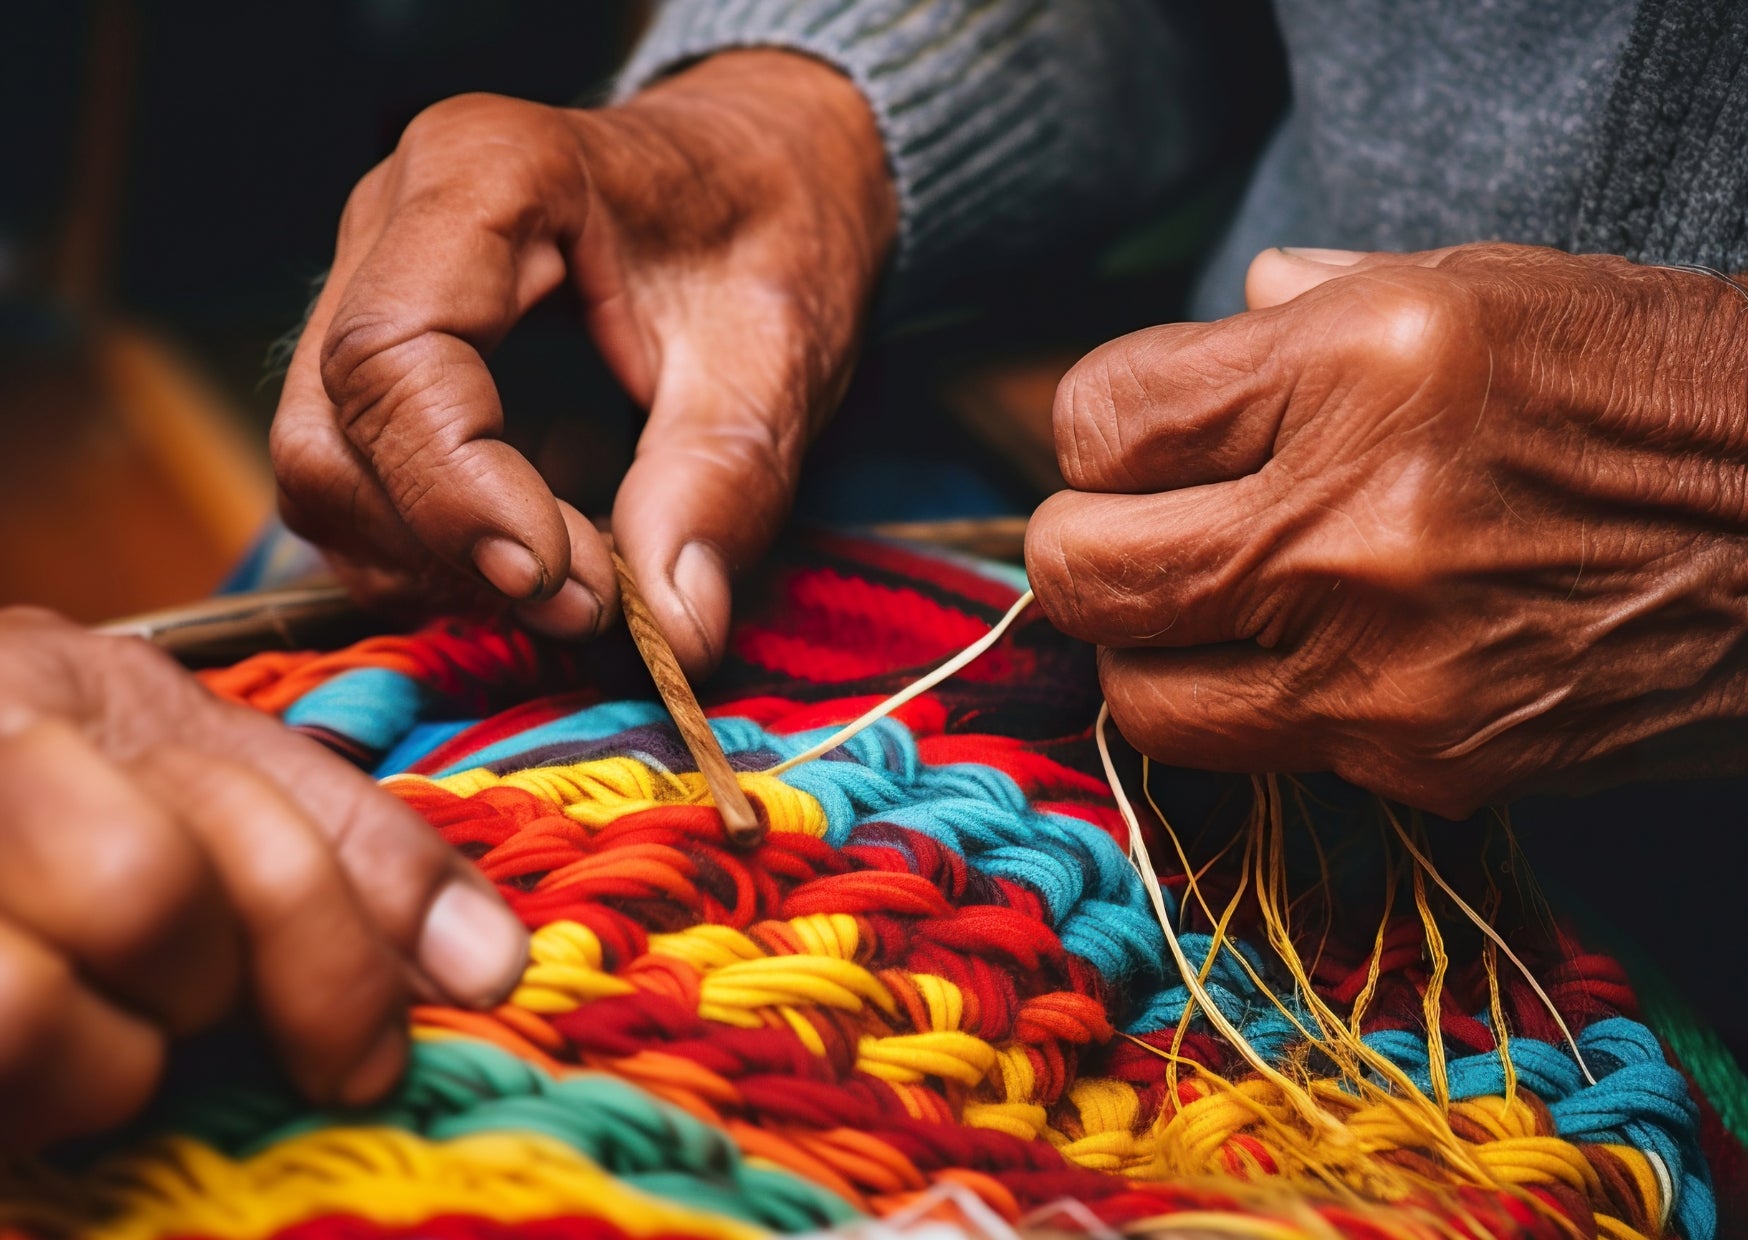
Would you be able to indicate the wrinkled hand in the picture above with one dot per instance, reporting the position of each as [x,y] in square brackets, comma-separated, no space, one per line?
[1455,525]
[168,856]
[723,231]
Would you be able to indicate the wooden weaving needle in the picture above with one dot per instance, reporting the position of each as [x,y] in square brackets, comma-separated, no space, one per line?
[745,828]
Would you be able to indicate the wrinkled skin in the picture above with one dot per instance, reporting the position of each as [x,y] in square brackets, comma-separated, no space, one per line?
[170,857]
[1454,525]
[723,232]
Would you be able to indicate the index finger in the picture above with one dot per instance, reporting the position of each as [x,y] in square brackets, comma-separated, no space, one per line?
[1181,568]
[428,900]
[391,375]
[1174,406]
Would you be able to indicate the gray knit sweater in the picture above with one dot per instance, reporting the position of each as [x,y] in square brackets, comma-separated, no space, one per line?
[1015,126]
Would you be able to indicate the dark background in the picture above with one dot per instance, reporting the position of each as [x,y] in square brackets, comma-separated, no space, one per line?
[244,128]
[181,166]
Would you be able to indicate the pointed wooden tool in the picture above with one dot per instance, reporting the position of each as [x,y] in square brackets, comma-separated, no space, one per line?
[745,827]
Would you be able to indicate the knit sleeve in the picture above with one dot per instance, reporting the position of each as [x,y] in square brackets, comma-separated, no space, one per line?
[1013,128]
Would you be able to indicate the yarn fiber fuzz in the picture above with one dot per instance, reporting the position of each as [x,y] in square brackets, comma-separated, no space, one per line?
[938,986]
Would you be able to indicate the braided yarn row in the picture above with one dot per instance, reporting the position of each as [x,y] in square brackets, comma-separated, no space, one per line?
[939,984]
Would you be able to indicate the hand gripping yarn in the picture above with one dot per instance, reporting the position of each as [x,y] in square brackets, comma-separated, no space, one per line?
[940,989]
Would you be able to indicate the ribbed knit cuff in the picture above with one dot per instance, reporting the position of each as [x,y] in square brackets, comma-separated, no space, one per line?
[1009,124]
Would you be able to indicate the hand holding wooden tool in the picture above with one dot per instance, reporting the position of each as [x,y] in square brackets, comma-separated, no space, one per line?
[745,827]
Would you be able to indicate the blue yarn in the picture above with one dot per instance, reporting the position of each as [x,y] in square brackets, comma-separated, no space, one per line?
[458,1087]
[373,706]
[1638,1098]
[423,739]
[1238,999]
[1101,912]
[1122,946]
[592,723]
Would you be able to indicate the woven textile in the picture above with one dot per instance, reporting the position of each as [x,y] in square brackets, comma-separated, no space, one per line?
[938,980]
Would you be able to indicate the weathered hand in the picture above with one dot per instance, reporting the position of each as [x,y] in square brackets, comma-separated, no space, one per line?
[169,856]
[1455,525]
[723,230]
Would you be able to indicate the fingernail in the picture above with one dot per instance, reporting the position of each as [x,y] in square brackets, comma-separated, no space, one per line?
[511,568]
[1329,258]
[377,1072]
[472,946]
[574,612]
[575,609]
[699,573]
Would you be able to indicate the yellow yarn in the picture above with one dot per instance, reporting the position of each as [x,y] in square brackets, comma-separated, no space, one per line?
[597,792]
[705,946]
[741,984]
[1026,1120]
[1315,1132]
[565,972]
[828,934]
[383,1174]
[910,1057]
[734,993]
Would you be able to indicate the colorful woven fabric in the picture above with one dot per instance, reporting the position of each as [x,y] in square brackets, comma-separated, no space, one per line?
[939,979]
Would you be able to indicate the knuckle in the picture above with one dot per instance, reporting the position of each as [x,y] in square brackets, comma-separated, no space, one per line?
[1497,255]
[139,889]
[502,157]
[428,462]
[356,339]
[750,447]
[1049,565]
[303,876]
[1410,322]
[1087,418]
[438,125]
[365,205]
[441,121]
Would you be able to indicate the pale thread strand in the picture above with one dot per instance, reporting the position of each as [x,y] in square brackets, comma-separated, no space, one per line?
[1138,855]
[868,719]
[1302,1102]
[1498,939]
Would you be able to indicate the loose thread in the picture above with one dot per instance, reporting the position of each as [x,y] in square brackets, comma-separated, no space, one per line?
[1302,1102]
[873,716]
[1480,923]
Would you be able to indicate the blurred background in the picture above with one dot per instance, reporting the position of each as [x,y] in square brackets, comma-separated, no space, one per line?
[171,174]
[172,178]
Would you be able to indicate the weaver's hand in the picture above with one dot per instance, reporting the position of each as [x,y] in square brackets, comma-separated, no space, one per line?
[723,230]
[1455,525]
[167,855]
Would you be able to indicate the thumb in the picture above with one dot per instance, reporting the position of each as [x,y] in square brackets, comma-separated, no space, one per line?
[1282,273]
[710,488]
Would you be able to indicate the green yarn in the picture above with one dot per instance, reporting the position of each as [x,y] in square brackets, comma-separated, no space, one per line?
[1697,1047]
[1692,1042]
[456,1087]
